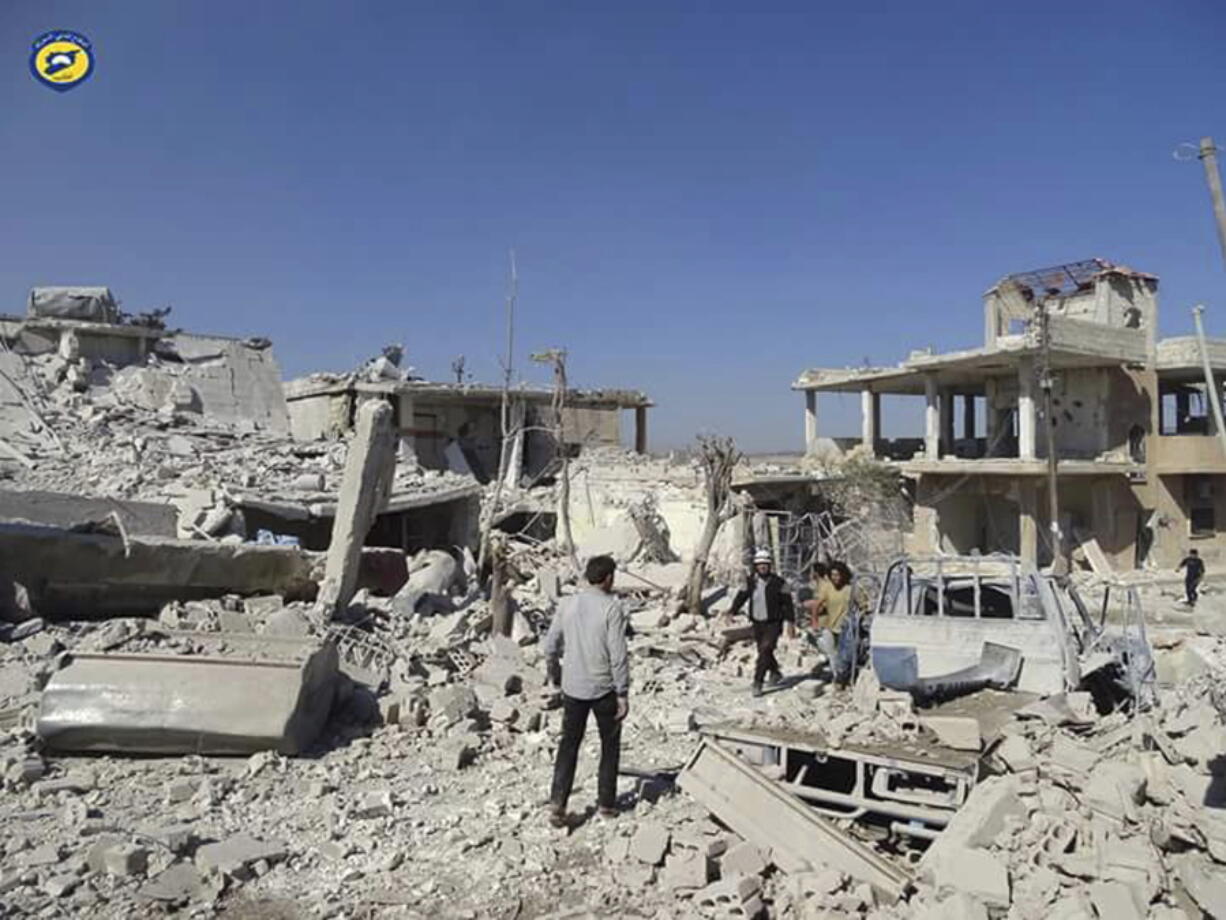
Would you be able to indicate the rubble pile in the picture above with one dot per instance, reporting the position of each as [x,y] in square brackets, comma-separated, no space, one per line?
[424,793]
[404,749]
[1118,817]
[110,437]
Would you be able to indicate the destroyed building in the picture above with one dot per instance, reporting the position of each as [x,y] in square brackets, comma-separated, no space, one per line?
[350,733]
[1141,474]
[184,440]
[458,427]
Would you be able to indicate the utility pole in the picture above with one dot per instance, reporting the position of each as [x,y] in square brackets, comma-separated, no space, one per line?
[1208,156]
[1211,388]
[1059,563]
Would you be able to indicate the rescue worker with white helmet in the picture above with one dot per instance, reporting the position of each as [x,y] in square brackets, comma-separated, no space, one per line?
[770,607]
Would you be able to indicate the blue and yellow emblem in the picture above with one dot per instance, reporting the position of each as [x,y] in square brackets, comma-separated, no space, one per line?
[62,60]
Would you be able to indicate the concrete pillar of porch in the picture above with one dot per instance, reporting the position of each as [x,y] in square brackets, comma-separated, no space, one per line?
[640,429]
[870,420]
[810,421]
[932,419]
[1025,410]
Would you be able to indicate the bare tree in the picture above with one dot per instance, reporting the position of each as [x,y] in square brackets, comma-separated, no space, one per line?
[718,457]
[556,357]
[489,510]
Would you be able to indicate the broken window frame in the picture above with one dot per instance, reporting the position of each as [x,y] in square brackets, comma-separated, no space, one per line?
[1022,589]
[1201,499]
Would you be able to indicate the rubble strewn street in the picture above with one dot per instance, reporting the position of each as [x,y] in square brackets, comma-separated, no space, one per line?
[410,798]
[249,675]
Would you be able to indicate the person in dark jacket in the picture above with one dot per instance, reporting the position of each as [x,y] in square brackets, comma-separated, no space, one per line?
[1195,571]
[770,607]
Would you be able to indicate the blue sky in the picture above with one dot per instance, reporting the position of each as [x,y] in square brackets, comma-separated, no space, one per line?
[705,198]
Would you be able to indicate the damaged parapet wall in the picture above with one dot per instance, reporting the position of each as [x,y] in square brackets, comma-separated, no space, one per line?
[231,380]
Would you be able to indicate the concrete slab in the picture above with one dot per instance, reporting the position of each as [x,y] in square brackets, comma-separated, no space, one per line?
[958,732]
[188,704]
[59,509]
[770,818]
[90,575]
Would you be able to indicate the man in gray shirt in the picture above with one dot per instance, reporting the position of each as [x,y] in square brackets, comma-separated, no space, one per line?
[585,652]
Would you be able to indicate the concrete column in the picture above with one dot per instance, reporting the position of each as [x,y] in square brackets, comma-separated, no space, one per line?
[810,421]
[968,417]
[369,468]
[870,420]
[947,421]
[1028,521]
[991,419]
[1025,410]
[640,429]
[932,420]
[925,536]
[515,452]
[408,436]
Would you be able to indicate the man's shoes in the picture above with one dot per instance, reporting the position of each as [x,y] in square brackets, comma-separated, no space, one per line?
[774,678]
[557,816]
[757,690]
[606,812]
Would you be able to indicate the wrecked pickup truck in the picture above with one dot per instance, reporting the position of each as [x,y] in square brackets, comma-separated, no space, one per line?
[949,625]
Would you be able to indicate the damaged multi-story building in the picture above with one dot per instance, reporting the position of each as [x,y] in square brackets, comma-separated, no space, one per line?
[1141,474]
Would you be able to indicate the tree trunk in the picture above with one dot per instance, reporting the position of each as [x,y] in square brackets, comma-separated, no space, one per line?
[500,599]
[698,566]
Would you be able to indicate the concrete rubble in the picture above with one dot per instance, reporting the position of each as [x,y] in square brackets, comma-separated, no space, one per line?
[373,749]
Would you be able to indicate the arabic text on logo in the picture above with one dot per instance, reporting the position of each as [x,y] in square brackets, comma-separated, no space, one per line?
[62,60]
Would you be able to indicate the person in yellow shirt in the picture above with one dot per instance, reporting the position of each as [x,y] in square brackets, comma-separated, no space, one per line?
[828,612]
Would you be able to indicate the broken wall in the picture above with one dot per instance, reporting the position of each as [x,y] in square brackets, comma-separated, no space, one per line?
[601,494]
[590,426]
[1172,533]
[235,380]
[981,515]
[1097,410]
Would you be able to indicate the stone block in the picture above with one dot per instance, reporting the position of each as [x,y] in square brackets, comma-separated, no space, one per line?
[42,645]
[288,622]
[503,711]
[1115,789]
[60,886]
[976,873]
[376,803]
[235,854]
[453,704]
[958,732]
[1015,752]
[181,790]
[650,843]
[743,859]
[729,893]
[1071,757]
[1115,900]
[685,869]
[980,820]
[178,838]
[125,859]
[95,856]
[681,721]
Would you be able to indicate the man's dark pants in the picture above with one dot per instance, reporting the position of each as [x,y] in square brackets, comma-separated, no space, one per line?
[574,722]
[766,637]
[1190,585]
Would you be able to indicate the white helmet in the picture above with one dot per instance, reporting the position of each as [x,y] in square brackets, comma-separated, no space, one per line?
[762,555]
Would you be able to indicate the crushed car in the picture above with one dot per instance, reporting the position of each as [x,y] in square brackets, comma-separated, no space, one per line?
[948,625]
